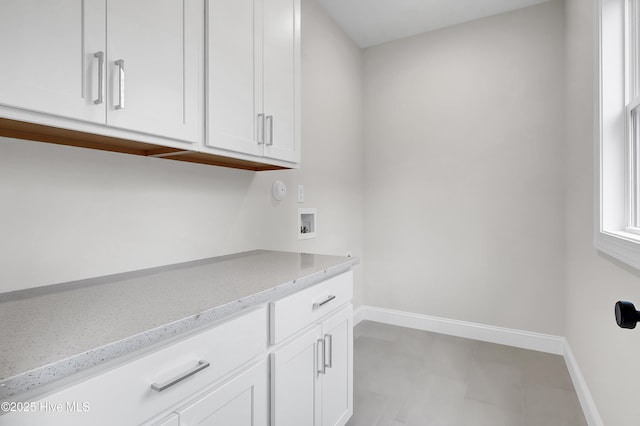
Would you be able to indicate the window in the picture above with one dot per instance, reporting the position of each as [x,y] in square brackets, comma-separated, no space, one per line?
[617,230]
[632,115]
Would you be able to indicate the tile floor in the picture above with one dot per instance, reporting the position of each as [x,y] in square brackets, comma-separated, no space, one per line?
[406,377]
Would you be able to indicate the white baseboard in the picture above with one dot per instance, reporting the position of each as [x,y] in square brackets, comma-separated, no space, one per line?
[487,333]
[358,314]
[584,396]
[470,330]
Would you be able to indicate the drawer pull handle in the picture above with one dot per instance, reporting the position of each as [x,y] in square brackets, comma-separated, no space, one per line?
[323,364]
[324,302]
[120,64]
[100,56]
[162,386]
[269,119]
[261,129]
[330,350]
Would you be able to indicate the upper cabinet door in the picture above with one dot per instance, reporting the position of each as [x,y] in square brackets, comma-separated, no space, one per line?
[50,54]
[281,79]
[234,73]
[154,67]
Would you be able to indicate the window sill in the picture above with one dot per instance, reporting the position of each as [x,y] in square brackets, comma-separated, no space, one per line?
[621,245]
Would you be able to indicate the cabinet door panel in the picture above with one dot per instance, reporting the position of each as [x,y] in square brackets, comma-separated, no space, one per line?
[295,393]
[337,382]
[160,42]
[241,402]
[281,72]
[234,72]
[170,420]
[47,49]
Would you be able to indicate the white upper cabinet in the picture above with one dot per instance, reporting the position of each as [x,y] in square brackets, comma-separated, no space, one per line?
[48,62]
[135,71]
[281,79]
[253,73]
[154,51]
[233,72]
[132,65]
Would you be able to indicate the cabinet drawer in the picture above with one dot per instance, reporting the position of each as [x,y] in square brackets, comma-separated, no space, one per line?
[294,312]
[124,395]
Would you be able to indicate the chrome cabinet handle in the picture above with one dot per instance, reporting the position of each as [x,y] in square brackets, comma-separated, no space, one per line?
[100,56]
[270,121]
[162,386]
[324,302]
[120,64]
[330,346]
[261,129]
[323,365]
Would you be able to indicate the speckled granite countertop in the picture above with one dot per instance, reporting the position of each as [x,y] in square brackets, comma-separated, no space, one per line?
[52,332]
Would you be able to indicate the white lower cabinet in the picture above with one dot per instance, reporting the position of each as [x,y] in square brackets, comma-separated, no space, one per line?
[170,420]
[244,401]
[337,380]
[312,376]
[154,384]
[228,374]
[295,392]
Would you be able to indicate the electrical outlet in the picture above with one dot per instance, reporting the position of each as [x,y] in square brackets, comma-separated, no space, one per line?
[301,193]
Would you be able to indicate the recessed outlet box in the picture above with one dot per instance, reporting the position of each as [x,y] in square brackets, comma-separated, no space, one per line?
[307,223]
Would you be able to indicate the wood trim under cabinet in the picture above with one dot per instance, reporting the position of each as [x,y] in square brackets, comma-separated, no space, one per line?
[40,133]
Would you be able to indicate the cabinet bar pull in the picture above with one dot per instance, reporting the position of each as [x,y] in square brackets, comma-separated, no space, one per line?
[120,64]
[100,56]
[261,129]
[162,386]
[330,337]
[323,364]
[324,302]
[270,121]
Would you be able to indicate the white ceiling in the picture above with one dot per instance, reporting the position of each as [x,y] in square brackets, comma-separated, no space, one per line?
[372,22]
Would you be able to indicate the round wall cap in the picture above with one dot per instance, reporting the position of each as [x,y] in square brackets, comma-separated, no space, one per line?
[279,190]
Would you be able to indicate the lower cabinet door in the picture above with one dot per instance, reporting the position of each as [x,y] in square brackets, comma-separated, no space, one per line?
[171,420]
[295,370]
[337,381]
[241,402]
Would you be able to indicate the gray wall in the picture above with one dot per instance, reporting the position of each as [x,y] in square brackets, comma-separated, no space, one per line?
[606,354]
[463,169]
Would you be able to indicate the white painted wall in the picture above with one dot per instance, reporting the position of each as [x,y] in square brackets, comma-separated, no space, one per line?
[606,354]
[332,150]
[69,213]
[463,168]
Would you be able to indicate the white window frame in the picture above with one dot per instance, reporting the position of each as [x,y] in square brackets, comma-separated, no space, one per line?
[615,193]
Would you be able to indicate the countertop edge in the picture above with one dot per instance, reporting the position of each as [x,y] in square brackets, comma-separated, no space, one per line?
[28,381]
